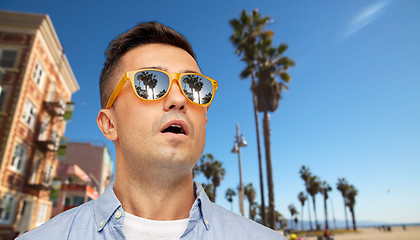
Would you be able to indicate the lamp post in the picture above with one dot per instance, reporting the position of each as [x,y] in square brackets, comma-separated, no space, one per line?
[238,143]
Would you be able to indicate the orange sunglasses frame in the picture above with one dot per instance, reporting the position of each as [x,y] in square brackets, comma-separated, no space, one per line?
[172,76]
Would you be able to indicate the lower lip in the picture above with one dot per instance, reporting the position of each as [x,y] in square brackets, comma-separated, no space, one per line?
[174,134]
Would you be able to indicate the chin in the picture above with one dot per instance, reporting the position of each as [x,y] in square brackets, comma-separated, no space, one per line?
[176,160]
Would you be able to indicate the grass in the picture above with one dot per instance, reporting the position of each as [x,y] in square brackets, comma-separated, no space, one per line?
[321,232]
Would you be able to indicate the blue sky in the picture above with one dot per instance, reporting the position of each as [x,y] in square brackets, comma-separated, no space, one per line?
[352,111]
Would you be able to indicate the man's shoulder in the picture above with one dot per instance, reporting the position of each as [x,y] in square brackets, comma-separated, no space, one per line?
[61,225]
[233,224]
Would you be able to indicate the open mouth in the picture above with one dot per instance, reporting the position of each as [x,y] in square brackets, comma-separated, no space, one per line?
[174,128]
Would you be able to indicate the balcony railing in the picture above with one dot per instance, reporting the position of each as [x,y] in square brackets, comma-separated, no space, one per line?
[55,108]
[50,145]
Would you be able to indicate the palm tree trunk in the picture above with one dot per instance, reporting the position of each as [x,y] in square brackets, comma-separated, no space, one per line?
[316,218]
[214,194]
[257,127]
[326,213]
[310,218]
[345,215]
[267,143]
[249,210]
[301,218]
[354,219]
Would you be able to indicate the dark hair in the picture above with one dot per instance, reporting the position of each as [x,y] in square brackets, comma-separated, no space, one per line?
[141,34]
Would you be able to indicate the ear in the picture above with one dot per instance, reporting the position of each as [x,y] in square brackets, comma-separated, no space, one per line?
[105,121]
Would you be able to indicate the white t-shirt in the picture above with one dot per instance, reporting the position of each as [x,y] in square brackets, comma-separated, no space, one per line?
[138,228]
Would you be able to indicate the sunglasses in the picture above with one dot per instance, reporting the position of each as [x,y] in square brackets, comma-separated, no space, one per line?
[154,84]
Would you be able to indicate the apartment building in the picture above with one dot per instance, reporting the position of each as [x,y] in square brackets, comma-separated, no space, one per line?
[36,87]
[95,160]
[72,187]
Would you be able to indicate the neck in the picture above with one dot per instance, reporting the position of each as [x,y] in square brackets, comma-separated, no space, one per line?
[162,194]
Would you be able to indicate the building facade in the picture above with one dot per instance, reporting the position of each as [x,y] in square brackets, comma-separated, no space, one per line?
[36,88]
[72,187]
[95,160]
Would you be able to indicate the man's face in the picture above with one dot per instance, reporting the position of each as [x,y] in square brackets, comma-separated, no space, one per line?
[142,126]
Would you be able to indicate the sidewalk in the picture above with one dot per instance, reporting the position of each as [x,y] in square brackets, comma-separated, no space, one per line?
[397,233]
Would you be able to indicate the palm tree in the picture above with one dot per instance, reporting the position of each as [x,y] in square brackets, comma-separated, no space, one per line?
[268,92]
[343,187]
[280,220]
[325,188]
[250,195]
[208,188]
[302,199]
[293,212]
[306,174]
[148,79]
[266,62]
[314,188]
[161,93]
[246,30]
[229,196]
[191,81]
[218,174]
[351,196]
[152,84]
[253,211]
[198,85]
[207,98]
[213,171]
[196,170]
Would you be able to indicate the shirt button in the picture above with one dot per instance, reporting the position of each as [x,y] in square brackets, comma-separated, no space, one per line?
[101,224]
[117,214]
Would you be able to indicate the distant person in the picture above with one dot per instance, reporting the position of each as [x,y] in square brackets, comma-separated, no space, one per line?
[327,235]
[154,108]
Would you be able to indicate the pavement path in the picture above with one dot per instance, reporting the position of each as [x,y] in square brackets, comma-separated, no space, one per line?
[397,233]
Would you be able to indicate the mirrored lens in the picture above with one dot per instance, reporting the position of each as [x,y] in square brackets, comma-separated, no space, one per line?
[151,84]
[197,88]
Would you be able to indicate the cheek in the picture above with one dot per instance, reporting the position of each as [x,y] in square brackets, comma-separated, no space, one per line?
[201,128]
[133,122]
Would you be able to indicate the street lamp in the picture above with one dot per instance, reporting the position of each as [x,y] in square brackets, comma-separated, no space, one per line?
[238,143]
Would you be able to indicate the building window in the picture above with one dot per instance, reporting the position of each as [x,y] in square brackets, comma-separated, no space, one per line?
[3,93]
[44,126]
[19,158]
[29,114]
[51,92]
[8,58]
[32,179]
[1,79]
[74,200]
[39,73]
[7,206]
[42,214]
[48,175]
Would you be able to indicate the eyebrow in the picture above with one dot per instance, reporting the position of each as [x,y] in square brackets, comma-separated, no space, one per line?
[166,69]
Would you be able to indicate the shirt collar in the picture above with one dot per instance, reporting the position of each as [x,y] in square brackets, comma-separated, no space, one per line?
[107,203]
[105,206]
[203,203]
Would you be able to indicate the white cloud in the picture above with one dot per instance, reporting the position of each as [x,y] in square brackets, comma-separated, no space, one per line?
[363,19]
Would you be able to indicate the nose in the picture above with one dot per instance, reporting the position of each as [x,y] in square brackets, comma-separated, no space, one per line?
[175,100]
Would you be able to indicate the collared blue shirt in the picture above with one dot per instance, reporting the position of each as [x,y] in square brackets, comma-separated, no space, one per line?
[103,219]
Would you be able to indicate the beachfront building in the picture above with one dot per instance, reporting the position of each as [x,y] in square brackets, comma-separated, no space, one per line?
[95,160]
[72,187]
[36,88]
